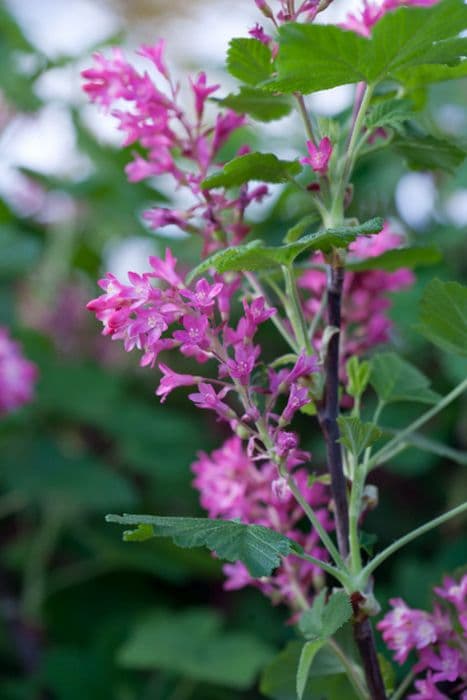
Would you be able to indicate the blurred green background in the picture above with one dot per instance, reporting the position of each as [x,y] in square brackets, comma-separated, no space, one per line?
[84,616]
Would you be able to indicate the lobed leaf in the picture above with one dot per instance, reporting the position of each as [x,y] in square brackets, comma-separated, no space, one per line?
[307,656]
[427,152]
[253,166]
[395,379]
[192,643]
[249,60]
[417,256]
[356,435]
[259,104]
[258,547]
[318,57]
[258,256]
[443,316]
[322,621]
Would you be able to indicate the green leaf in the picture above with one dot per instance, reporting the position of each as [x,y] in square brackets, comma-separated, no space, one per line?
[390,113]
[257,256]
[192,643]
[427,152]
[395,379]
[418,76]
[259,104]
[309,651]
[253,166]
[318,57]
[258,547]
[356,436]
[418,256]
[358,376]
[322,621]
[300,228]
[443,316]
[249,60]
[326,678]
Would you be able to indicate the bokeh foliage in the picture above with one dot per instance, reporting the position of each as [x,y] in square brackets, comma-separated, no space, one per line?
[83,614]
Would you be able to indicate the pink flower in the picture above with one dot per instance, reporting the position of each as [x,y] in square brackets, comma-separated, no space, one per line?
[298,397]
[207,398]
[243,365]
[155,53]
[194,334]
[165,269]
[319,155]
[17,375]
[158,217]
[171,380]
[204,295]
[201,92]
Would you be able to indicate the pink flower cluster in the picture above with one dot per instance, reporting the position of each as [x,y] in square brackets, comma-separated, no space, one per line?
[17,375]
[371,12]
[365,301]
[233,485]
[195,320]
[438,638]
[176,144]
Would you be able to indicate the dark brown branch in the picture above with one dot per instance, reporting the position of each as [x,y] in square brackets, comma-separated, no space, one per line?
[328,414]
[330,411]
[363,635]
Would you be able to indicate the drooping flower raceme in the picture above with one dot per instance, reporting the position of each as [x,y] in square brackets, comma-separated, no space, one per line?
[17,375]
[233,485]
[438,639]
[179,144]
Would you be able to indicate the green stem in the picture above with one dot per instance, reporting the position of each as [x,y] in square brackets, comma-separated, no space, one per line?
[318,316]
[296,314]
[402,541]
[405,685]
[457,391]
[314,520]
[256,286]
[351,670]
[331,570]
[354,515]
[305,117]
[352,151]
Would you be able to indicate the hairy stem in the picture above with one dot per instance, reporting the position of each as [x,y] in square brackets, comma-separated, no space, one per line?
[314,520]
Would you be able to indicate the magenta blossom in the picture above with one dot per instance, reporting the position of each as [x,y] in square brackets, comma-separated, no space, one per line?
[319,156]
[172,380]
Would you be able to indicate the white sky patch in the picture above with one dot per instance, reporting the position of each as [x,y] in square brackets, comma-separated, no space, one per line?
[129,254]
[64,27]
[415,198]
[456,208]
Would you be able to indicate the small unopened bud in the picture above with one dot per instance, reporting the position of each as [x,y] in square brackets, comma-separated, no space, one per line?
[280,488]
[264,8]
[370,605]
[370,497]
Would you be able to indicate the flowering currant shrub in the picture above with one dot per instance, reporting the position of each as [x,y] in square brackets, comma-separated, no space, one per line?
[284,522]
